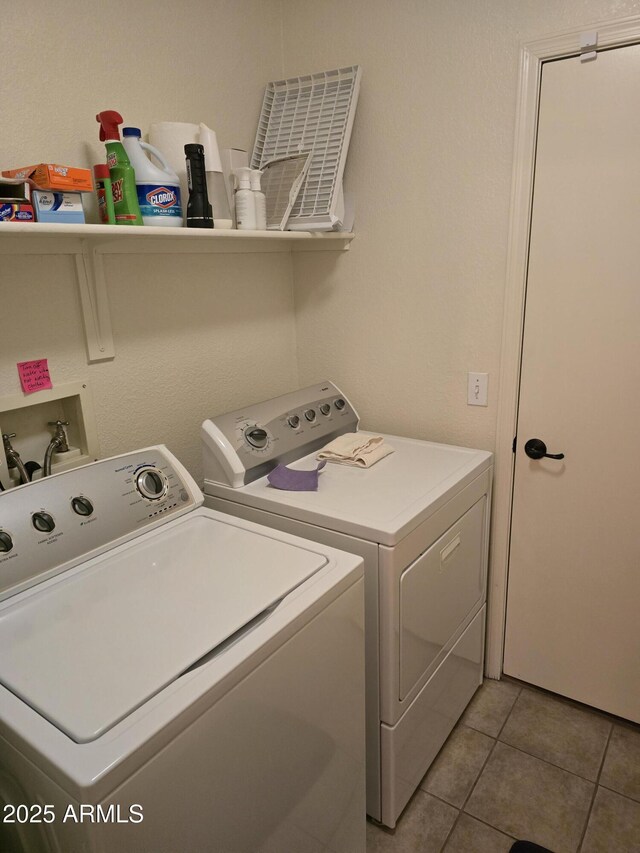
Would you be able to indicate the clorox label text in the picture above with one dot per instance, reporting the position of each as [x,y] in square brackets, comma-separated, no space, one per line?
[162,197]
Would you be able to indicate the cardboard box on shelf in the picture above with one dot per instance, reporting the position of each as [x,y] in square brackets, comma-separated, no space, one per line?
[15,205]
[12,190]
[58,207]
[51,176]
[20,211]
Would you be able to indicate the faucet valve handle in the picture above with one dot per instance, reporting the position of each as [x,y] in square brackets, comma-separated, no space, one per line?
[59,440]
[7,435]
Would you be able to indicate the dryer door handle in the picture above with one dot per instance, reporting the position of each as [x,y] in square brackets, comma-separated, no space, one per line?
[449,549]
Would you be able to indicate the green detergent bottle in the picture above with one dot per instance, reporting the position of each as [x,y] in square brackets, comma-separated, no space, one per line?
[123,177]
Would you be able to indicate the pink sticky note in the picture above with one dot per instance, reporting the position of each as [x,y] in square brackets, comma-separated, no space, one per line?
[34,375]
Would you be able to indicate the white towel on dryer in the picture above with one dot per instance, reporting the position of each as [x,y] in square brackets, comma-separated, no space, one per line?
[356,448]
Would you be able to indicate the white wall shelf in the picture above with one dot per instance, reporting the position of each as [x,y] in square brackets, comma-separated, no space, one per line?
[41,238]
[89,243]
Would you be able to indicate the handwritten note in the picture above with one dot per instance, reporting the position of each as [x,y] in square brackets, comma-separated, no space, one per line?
[34,375]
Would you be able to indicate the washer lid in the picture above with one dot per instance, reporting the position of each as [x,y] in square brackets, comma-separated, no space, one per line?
[91,647]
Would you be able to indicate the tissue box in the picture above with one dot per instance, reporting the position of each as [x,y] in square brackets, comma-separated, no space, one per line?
[50,176]
[58,207]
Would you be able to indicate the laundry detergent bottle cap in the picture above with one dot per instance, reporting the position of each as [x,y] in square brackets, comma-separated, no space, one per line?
[123,180]
[157,186]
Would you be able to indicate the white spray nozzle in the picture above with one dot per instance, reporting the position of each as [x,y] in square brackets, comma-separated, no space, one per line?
[256,174]
[243,177]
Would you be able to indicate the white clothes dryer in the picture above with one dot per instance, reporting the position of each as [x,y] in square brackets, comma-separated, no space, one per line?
[173,679]
[420,519]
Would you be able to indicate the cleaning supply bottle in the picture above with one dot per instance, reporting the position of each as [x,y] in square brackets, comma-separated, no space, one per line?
[199,213]
[158,187]
[245,201]
[105,194]
[123,179]
[259,199]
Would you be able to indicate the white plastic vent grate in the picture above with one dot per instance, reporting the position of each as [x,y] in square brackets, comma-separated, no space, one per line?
[313,113]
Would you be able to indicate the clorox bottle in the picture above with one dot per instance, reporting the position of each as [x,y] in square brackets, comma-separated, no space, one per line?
[158,187]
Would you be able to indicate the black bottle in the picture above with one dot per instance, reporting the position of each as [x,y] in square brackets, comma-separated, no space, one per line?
[199,213]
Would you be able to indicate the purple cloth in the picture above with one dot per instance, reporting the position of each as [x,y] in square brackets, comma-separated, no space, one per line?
[295,481]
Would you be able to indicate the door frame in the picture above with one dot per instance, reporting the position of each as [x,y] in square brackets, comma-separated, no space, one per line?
[532,56]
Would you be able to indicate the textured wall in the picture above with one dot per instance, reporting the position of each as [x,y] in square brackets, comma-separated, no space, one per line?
[193,334]
[418,300]
[397,321]
[152,60]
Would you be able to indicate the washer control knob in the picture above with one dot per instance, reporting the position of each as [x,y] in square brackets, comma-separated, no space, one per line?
[152,484]
[257,437]
[310,415]
[43,522]
[325,408]
[339,404]
[82,505]
[6,542]
[293,421]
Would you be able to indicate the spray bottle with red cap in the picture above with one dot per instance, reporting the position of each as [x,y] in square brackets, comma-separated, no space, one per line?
[123,178]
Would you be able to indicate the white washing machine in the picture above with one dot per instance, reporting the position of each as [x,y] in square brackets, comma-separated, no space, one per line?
[420,519]
[173,679]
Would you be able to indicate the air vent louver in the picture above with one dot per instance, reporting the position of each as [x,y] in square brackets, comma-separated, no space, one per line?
[313,113]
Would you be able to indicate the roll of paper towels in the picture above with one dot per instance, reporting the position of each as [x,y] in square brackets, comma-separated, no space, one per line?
[209,141]
[170,137]
[216,188]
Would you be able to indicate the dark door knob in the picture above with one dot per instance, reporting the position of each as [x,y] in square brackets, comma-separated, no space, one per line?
[535,448]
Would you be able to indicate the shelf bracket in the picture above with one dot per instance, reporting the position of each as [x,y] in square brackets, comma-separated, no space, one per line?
[94,303]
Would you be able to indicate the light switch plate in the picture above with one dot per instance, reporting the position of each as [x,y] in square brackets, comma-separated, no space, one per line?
[478,389]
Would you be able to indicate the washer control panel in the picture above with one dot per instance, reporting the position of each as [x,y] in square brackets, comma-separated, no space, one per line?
[54,523]
[276,431]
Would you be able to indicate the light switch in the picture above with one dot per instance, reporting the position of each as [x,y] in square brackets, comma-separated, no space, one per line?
[478,389]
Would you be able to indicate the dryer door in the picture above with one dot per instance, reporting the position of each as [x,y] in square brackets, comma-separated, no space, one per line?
[438,594]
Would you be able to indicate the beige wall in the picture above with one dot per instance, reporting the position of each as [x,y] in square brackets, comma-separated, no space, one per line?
[397,321]
[193,334]
[418,300]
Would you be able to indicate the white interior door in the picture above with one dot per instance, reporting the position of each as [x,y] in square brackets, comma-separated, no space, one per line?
[573,605]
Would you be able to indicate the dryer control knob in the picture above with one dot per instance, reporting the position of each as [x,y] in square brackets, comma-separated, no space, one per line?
[339,404]
[310,415]
[43,522]
[257,437]
[293,421]
[82,505]
[6,542]
[325,408]
[152,484]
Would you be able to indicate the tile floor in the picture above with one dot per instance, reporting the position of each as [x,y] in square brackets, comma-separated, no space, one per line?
[522,763]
